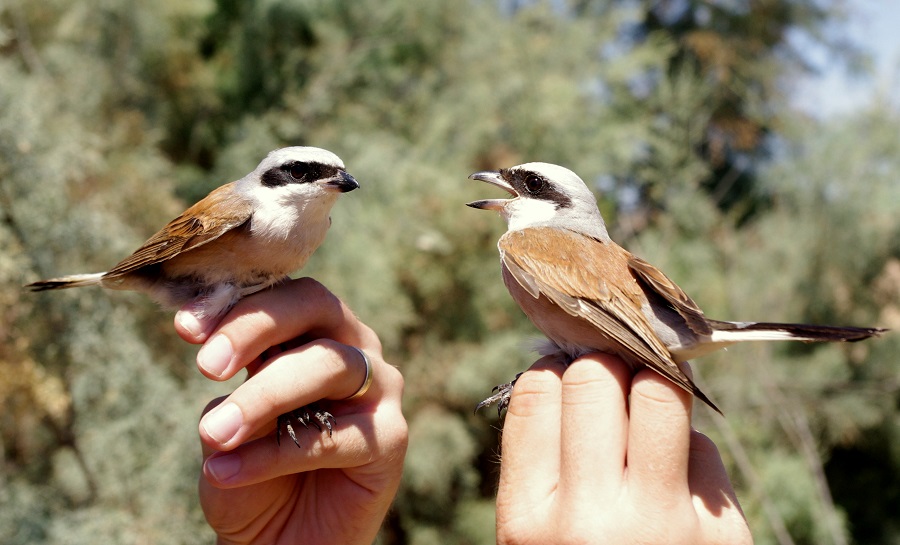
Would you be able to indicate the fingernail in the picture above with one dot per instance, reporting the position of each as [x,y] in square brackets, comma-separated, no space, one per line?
[215,356]
[223,422]
[191,323]
[223,467]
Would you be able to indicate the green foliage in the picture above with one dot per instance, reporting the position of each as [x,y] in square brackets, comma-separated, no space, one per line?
[116,114]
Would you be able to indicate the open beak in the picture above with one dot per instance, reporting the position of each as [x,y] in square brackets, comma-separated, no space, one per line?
[492,178]
[341,183]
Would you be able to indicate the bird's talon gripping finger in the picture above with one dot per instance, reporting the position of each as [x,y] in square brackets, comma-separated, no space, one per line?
[502,393]
[284,423]
[293,435]
[308,415]
[486,402]
[326,419]
[504,403]
[307,419]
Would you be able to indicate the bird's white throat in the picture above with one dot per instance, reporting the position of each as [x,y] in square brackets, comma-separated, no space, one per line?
[522,213]
[291,211]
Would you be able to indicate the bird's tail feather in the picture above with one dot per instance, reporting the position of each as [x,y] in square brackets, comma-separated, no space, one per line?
[728,332]
[64,282]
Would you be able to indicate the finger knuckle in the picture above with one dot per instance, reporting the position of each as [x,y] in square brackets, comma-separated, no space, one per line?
[318,295]
[537,383]
[657,391]
[369,338]
[396,435]
[391,378]
[331,354]
[263,395]
[587,382]
[532,391]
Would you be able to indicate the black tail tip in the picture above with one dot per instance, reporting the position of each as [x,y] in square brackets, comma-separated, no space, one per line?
[820,333]
[43,285]
[869,332]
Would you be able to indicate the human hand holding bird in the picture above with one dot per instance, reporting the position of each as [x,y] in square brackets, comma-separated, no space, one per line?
[242,238]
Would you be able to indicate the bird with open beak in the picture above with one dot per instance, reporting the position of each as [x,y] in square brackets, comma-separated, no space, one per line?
[588,294]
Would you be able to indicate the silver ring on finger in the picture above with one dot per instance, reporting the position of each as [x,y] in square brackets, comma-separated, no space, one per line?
[367,382]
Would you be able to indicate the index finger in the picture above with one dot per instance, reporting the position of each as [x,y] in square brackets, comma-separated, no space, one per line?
[530,461]
[297,308]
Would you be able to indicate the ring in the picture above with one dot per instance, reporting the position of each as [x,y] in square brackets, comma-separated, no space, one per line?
[366,381]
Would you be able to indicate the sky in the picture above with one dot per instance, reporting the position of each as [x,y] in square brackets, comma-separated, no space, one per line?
[875,26]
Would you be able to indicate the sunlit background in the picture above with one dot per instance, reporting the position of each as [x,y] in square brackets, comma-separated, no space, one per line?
[749,149]
[835,89]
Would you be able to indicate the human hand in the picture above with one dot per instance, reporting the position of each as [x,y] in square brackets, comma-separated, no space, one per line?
[581,463]
[295,341]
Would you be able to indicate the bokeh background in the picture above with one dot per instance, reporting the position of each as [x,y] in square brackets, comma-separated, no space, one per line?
[718,144]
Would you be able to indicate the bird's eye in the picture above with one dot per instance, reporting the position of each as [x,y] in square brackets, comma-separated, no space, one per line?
[534,184]
[299,170]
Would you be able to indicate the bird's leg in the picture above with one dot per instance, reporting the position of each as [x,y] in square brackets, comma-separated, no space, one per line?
[501,396]
[305,416]
[503,392]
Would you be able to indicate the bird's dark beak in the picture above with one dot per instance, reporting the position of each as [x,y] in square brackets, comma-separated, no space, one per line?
[341,182]
[492,178]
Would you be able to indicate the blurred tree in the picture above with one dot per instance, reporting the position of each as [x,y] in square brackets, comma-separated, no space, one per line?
[727,67]
[117,113]
[87,388]
[824,252]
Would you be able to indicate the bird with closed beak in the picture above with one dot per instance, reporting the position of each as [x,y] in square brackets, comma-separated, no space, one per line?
[241,238]
[588,294]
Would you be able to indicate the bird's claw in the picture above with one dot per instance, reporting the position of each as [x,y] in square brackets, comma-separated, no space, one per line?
[305,416]
[501,396]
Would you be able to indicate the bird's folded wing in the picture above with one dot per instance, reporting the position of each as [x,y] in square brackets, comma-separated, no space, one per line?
[655,280]
[589,279]
[195,227]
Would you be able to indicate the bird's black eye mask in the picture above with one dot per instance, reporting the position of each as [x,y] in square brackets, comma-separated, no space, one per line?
[532,185]
[297,172]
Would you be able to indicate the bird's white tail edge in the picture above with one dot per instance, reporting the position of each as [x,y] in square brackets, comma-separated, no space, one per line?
[735,336]
[730,332]
[64,282]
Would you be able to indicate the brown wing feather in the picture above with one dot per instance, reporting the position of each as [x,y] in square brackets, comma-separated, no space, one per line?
[668,290]
[195,227]
[598,286]
[543,254]
[557,290]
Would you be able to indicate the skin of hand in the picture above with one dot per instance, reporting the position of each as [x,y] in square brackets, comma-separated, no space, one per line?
[295,342]
[592,454]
